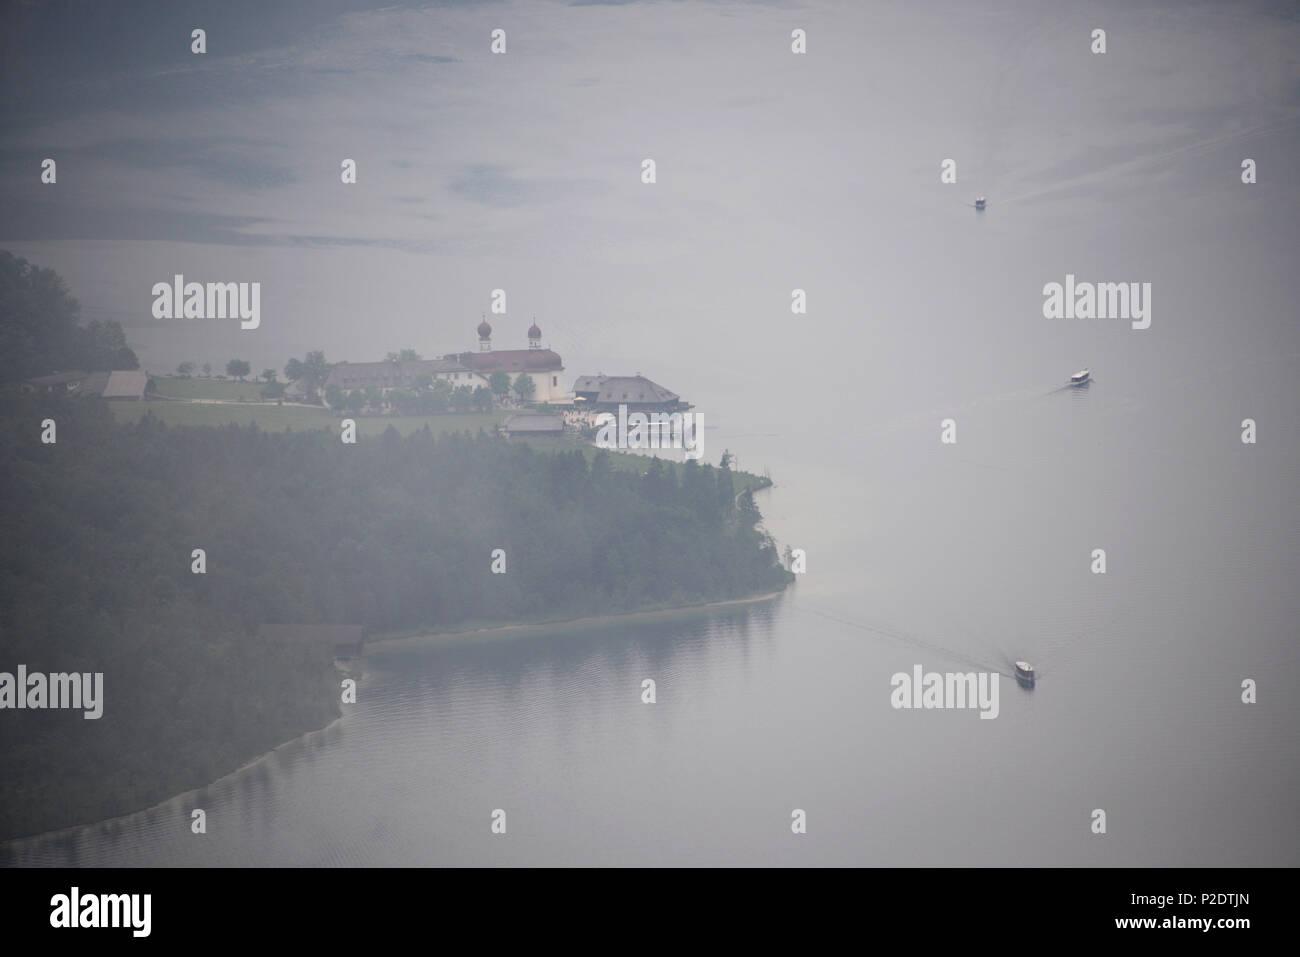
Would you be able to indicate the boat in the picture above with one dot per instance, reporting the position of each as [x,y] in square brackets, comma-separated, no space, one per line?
[1025,674]
[1081,377]
[980,202]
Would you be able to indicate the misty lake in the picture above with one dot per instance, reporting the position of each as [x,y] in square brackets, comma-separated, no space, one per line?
[946,556]
[965,555]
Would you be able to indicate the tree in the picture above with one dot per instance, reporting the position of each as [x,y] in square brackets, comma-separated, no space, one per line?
[293,370]
[374,397]
[653,482]
[103,346]
[314,371]
[273,390]
[237,369]
[186,369]
[268,375]
[355,401]
[406,355]
[334,396]
[39,314]
[462,399]
[423,382]
[726,486]
[483,398]
[39,333]
[499,382]
[440,396]
[402,400]
[525,388]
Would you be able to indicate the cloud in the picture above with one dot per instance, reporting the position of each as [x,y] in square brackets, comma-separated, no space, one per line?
[221,159]
[43,220]
[493,185]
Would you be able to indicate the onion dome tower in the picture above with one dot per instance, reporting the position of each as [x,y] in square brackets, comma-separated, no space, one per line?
[534,335]
[484,336]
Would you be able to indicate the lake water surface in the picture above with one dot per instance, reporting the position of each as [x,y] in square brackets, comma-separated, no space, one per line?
[920,310]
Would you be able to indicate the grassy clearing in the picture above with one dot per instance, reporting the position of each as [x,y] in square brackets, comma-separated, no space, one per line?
[227,389]
[277,418]
[271,418]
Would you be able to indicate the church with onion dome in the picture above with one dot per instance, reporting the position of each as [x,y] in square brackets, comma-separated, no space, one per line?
[463,369]
[542,365]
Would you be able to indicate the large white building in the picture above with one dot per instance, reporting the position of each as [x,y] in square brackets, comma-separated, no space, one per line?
[463,369]
[543,366]
[400,374]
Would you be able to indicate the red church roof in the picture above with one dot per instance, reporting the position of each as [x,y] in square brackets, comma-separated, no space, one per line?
[512,360]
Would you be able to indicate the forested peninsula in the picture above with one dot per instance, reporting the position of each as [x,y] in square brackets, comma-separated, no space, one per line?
[155,556]
[393,533]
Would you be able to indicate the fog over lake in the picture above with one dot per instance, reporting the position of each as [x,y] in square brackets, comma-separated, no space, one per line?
[775,172]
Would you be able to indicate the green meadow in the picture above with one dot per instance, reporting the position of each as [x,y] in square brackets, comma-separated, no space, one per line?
[229,390]
[276,418]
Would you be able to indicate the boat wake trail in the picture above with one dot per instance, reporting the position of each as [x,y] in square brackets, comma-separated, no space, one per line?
[912,641]
[911,420]
[1124,171]
[1070,387]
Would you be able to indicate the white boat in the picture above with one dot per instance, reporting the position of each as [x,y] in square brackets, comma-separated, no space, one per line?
[1081,377]
[980,202]
[1025,674]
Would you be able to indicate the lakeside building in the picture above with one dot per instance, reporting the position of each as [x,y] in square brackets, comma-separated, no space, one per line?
[605,393]
[533,425]
[400,374]
[462,369]
[121,384]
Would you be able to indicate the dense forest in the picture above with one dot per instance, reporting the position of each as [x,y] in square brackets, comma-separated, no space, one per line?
[97,532]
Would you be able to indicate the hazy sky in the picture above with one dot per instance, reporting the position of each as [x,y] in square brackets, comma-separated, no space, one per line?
[521,171]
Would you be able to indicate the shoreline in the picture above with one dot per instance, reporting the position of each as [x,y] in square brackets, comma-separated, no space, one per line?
[58,833]
[492,630]
[586,620]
